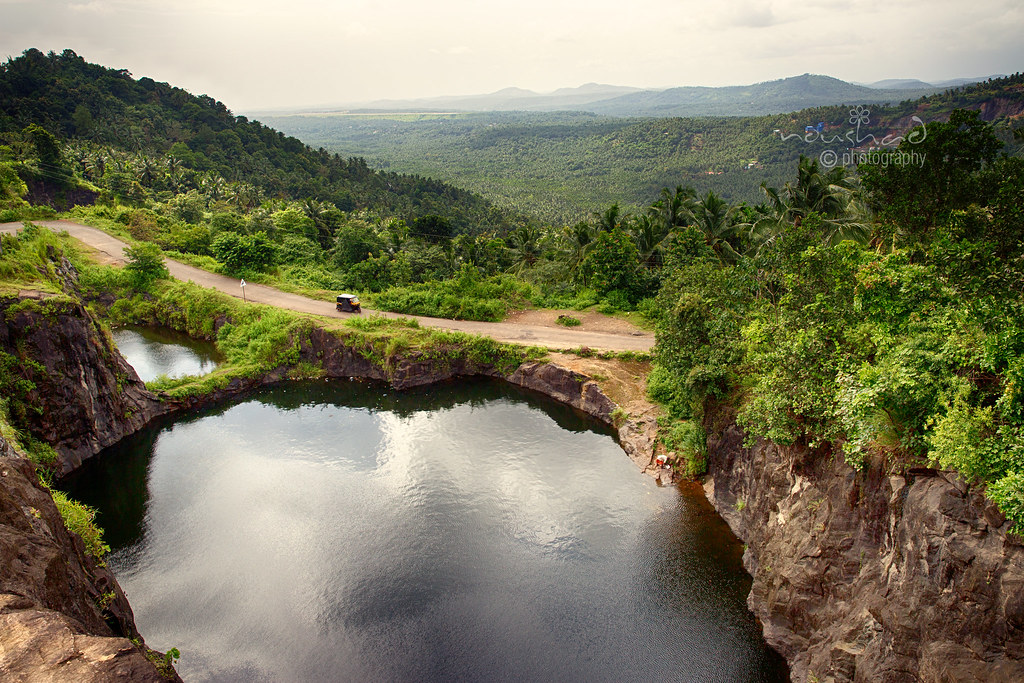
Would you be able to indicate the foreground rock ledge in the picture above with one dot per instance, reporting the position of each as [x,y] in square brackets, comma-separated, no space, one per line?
[52,625]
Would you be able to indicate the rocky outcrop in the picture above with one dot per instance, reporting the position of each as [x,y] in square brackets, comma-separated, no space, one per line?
[85,396]
[867,576]
[565,386]
[62,615]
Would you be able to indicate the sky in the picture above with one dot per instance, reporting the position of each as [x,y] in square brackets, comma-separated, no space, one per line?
[256,54]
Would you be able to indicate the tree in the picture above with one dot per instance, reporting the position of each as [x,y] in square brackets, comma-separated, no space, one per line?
[610,219]
[648,233]
[913,198]
[525,241]
[432,228]
[145,262]
[48,152]
[244,253]
[612,263]
[294,222]
[355,241]
[712,216]
[675,209]
[833,196]
[579,239]
[12,188]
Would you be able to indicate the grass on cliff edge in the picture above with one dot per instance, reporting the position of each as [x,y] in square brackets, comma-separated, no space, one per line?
[257,339]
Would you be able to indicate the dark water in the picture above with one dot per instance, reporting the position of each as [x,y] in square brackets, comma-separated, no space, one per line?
[342,532]
[161,351]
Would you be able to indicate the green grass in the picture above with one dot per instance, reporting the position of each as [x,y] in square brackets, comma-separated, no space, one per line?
[81,519]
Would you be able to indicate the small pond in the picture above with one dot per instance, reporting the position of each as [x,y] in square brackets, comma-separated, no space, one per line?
[154,351]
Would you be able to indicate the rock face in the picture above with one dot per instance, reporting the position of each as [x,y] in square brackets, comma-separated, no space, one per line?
[50,595]
[871,577]
[87,397]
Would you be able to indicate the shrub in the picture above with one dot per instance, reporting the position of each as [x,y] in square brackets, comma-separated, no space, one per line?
[688,439]
[244,253]
[466,297]
[145,263]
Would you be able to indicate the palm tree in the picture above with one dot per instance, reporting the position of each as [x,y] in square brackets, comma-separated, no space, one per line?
[95,166]
[675,209]
[713,217]
[834,196]
[525,242]
[579,239]
[648,233]
[609,220]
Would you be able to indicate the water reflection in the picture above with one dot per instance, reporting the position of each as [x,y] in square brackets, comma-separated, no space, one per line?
[336,531]
[160,351]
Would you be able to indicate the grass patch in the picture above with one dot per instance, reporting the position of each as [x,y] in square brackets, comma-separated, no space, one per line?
[81,519]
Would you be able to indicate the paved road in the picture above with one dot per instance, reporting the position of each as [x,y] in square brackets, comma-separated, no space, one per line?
[538,335]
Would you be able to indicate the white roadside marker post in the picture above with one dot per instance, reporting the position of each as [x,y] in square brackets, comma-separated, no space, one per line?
[243,290]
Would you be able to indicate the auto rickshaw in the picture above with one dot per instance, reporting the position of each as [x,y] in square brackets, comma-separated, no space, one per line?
[348,303]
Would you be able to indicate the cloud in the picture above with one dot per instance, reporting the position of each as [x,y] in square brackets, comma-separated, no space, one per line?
[454,50]
[95,7]
[751,16]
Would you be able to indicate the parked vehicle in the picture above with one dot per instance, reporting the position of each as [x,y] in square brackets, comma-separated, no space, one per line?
[348,303]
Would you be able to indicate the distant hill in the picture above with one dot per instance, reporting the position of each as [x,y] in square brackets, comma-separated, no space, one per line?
[508,99]
[900,84]
[915,84]
[770,97]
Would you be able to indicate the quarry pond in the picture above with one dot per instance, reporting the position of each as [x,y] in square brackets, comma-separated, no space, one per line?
[156,351]
[326,531]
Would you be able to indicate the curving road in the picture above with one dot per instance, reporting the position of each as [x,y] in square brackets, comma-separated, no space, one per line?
[530,335]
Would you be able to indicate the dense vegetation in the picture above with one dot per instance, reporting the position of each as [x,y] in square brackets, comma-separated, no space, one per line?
[904,344]
[561,167]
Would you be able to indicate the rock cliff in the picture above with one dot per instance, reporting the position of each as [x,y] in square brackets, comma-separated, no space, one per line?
[871,576]
[62,615]
[85,396]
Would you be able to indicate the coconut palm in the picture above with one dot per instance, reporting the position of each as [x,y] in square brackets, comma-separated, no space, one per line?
[675,209]
[610,219]
[578,239]
[713,217]
[834,196]
[525,241]
[648,234]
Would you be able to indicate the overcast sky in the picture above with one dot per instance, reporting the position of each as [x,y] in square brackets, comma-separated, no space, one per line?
[258,54]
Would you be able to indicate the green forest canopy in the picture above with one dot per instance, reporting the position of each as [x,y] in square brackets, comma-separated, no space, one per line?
[561,167]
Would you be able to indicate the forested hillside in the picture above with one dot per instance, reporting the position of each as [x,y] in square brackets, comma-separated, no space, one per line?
[561,167]
[137,139]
